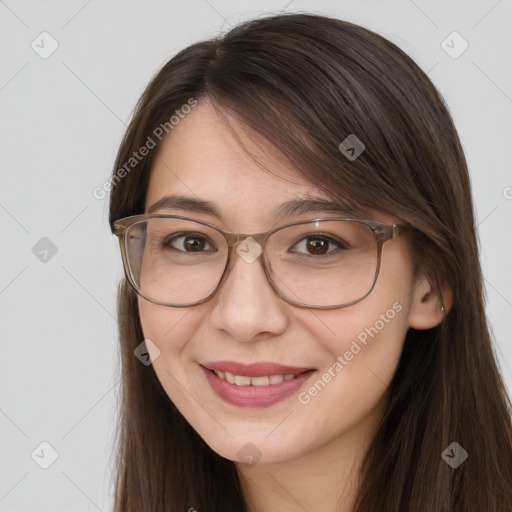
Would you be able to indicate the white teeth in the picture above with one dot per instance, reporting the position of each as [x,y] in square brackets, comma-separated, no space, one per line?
[260,381]
[243,380]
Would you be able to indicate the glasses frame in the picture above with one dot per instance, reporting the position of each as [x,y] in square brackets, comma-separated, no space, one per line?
[382,232]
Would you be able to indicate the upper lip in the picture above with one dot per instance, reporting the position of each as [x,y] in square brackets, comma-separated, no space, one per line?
[254,369]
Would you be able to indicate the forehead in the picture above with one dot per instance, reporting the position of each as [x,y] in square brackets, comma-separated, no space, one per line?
[201,160]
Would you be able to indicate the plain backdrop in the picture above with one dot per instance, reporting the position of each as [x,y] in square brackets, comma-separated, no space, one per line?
[62,118]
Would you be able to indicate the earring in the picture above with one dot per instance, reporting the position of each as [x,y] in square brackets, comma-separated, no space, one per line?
[442,309]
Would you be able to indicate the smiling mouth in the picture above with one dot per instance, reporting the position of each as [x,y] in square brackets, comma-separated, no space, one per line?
[257,384]
[261,390]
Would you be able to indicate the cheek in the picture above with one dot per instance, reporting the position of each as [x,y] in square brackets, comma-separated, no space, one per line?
[168,328]
[373,351]
[359,364]
[376,326]
[366,346]
[362,344]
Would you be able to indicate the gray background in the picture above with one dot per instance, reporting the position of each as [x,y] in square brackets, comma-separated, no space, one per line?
[62,118]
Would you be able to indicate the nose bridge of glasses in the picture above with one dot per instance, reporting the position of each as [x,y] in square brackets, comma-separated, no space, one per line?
[242,240]
[235,239]
[248,246]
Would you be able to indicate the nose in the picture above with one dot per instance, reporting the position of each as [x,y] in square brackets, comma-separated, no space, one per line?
[246,306]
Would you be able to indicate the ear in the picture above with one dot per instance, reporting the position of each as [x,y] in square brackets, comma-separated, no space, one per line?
[426,305]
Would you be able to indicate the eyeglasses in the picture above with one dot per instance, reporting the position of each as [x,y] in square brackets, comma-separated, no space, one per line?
[319,263]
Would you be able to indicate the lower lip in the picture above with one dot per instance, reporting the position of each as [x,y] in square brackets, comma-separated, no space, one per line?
[255,396]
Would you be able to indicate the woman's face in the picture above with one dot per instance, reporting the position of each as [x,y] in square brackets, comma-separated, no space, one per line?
[353,351]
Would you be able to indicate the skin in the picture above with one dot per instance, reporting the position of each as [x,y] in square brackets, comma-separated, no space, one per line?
[310,453]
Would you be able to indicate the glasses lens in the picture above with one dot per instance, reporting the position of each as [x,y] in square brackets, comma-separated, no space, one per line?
[175,261]
[323,263]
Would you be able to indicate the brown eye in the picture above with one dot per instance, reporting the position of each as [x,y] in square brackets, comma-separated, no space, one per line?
[189,243]
[317,245]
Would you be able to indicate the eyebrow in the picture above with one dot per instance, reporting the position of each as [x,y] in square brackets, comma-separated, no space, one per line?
[286,209]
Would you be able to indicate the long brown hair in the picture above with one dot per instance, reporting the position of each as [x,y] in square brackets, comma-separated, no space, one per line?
[305,83]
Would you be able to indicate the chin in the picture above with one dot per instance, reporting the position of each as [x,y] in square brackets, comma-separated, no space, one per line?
[249,449]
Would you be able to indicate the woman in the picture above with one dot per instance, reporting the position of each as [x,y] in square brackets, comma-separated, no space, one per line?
[302,364]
